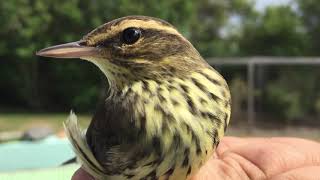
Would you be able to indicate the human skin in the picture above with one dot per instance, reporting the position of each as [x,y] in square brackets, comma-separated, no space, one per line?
[257,158]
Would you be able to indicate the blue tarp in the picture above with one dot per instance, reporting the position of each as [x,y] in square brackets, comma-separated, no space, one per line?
[46,153]
[57,173]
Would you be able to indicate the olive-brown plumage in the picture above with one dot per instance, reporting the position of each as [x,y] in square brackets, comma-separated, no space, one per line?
[167,108]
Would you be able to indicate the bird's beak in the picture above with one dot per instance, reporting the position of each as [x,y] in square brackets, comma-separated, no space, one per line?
[69,50]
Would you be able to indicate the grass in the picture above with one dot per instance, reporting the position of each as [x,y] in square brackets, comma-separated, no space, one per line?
[311,133]
[22,122]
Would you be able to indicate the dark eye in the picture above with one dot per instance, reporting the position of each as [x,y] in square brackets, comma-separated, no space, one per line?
[131,35]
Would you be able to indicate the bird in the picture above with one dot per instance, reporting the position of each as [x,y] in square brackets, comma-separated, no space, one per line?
[166,110]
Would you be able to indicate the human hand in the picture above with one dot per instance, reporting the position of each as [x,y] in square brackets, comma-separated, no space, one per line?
[257,158]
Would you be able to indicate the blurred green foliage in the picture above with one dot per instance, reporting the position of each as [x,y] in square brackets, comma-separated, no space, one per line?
[216,28]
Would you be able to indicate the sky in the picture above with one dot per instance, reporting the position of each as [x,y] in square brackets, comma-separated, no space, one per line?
[261,4]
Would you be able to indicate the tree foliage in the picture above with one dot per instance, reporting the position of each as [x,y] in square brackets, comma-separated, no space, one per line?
[30,82]
[216,28]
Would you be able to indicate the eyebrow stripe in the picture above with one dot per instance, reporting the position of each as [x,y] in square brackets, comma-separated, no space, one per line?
[113,28]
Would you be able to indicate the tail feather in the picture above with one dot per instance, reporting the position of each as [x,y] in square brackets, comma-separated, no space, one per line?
[78,140]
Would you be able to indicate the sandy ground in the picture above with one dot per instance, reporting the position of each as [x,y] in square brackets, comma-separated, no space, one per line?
[23,122]
[301,132]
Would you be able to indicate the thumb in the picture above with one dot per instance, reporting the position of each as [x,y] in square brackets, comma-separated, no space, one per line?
[81,174]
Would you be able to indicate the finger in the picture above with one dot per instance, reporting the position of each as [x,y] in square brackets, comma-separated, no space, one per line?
[302,145]
[216,168]
[310,173]
[275,155]
[80,174]
[220,170]
[230,142]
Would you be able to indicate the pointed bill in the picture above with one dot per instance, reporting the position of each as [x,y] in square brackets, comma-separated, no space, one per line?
[68,50]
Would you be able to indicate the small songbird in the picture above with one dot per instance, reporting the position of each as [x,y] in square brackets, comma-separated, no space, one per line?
[166,111]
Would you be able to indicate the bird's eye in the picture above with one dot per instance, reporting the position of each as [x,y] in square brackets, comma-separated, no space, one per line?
[131,35]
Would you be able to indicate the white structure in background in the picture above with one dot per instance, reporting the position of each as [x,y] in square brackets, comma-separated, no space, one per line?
[251,63]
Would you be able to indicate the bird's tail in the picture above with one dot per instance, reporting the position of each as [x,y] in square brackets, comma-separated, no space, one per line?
[78,140]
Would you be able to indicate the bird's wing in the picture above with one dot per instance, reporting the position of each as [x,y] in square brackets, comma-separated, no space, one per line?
[78,140]
[115,142]
[117,160]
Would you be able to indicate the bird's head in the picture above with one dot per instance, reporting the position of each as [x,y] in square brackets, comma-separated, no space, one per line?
[133,48]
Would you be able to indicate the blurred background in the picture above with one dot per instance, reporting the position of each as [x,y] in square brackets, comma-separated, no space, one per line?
[266,49]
